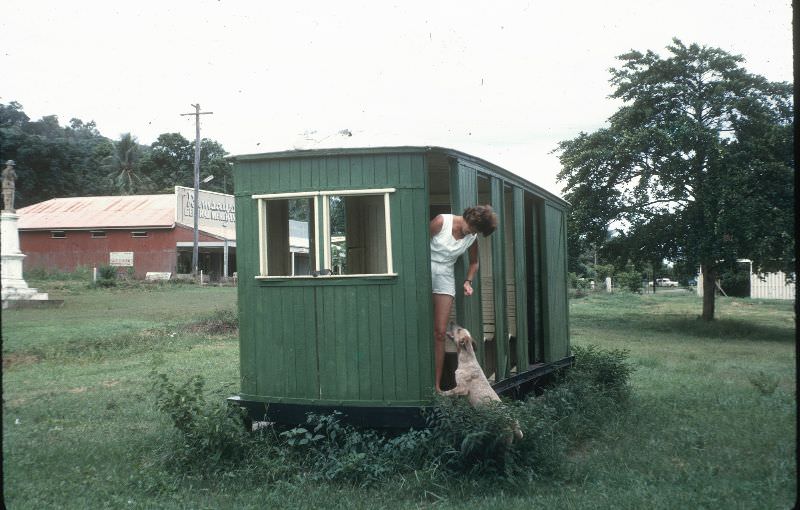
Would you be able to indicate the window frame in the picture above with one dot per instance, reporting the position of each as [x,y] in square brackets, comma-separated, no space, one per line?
[58,234]
[322,231]
[98,234]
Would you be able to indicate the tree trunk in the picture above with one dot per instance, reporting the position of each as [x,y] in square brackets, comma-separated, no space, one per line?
[654,275]
[709,291]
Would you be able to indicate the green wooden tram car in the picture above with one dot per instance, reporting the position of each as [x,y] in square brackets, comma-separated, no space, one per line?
[333,261]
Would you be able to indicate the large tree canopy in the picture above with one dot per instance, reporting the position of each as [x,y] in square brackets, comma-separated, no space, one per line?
[76,160]
[698,163]
[170,163]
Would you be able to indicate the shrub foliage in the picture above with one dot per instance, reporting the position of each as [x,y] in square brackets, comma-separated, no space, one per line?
[458,440]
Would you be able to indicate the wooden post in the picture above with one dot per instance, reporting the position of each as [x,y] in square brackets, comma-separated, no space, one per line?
[197,115]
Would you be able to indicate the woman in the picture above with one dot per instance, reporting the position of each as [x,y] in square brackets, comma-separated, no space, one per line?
[451,236]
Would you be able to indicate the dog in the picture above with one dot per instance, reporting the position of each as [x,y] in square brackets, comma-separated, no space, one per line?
[470,379]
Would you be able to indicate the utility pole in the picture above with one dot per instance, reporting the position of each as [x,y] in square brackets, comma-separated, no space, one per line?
[197,115]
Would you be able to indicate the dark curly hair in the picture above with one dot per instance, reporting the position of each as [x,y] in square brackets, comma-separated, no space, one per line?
[482,218]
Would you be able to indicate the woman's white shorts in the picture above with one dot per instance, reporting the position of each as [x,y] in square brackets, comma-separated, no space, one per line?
[443,280]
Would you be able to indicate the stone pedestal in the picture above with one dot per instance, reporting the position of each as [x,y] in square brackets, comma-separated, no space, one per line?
[14,286]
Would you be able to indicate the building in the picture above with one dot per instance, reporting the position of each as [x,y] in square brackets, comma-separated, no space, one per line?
[138,233]
[762,285]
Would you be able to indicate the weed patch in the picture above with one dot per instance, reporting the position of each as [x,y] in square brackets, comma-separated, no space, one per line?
[219,322]
[459,440]
[766,384]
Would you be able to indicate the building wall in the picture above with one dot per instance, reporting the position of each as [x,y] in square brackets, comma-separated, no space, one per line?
[156,252]
[771,286]
[762,286]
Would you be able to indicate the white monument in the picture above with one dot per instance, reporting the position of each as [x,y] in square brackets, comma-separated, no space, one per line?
[14,286]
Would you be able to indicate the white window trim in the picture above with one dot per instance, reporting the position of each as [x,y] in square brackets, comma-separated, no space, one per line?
[324,210]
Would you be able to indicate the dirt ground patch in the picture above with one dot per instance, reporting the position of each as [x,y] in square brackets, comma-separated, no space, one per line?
[12,360]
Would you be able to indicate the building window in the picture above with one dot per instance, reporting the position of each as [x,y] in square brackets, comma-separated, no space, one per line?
[325,233]
[138,233]
[98,234]
[58,234]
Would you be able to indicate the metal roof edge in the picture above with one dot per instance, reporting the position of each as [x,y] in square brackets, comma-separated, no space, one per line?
[340,151]
[406,149]
[502,171]
[96,227]
[200,229]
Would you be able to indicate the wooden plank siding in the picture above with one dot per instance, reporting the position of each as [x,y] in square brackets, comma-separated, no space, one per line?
[367,340]
[535,283]
[556,345]
[520,277]
[355,340]
[499,281]
[464,186]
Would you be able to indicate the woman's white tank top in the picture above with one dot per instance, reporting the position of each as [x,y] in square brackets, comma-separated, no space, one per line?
[445,249]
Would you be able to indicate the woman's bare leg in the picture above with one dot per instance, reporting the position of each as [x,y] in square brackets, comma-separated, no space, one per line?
[442,304]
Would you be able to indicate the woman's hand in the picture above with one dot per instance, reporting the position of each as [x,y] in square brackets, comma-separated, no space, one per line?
[467,288]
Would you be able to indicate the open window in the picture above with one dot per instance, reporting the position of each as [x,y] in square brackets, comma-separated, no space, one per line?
[325,233]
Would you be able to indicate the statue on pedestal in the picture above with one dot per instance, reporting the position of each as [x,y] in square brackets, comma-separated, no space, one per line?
[9,176]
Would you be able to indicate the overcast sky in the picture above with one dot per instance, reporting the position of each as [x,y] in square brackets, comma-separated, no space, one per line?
[504,81]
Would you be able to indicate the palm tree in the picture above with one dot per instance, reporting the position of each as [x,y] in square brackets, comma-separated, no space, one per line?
[122,167]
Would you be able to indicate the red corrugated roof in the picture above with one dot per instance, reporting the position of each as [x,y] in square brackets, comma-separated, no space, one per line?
[154,211]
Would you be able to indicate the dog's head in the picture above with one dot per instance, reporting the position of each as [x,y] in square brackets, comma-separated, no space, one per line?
[460,336]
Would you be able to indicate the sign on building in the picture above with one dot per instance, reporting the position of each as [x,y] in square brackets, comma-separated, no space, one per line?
[215,210]
[120,258]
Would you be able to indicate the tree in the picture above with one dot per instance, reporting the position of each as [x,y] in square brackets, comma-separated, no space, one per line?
[169,162]
[122,167]
[646,243]
[76,160]
[700,145]
[51,160]
[212,162]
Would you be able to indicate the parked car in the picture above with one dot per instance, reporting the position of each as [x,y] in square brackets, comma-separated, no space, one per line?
[666,282]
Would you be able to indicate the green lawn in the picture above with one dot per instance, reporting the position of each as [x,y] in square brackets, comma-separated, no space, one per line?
[711,424]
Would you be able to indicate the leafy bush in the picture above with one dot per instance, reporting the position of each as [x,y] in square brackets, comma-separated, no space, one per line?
[608,369]
[473,440]
[106,276]
[211,434]
[596,387]
[459,440]
[604,271]
[578,285]
[735,282]
[82,273]
[630,281]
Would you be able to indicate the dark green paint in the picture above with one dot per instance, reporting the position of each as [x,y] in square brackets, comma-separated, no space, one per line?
[499,280]
[367,341]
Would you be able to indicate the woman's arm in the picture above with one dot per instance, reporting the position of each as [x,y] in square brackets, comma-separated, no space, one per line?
[436,225]
[473,268]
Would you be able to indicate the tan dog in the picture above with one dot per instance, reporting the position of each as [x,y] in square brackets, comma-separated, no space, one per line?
[470,379]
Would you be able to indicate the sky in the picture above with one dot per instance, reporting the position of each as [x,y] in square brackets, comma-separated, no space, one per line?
[503,81]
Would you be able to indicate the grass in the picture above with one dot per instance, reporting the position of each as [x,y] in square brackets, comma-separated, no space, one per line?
[711,422]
